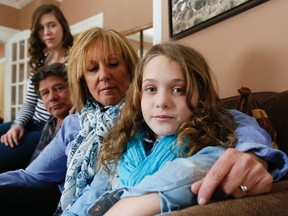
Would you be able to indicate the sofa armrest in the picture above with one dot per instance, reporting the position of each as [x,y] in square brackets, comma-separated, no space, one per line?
[272,203]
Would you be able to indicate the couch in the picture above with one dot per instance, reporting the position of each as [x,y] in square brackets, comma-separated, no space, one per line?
[273,203]
[44,201]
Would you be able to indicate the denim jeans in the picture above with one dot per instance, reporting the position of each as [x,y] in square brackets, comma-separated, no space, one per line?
[19,156]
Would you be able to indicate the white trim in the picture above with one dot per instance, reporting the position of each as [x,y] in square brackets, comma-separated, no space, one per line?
[2,60]
[7,33]
[94,21]
[157,21]
[15,3]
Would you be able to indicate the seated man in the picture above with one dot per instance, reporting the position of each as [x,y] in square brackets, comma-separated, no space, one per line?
[51,85]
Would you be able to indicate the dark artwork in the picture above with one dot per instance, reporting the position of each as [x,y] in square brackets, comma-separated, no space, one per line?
[188,16]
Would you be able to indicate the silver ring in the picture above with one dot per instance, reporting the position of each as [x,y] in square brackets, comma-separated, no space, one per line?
[244,188]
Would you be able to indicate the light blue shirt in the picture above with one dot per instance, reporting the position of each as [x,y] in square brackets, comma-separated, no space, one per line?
[173,182]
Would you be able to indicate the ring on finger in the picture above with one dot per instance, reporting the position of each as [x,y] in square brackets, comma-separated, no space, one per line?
[244,188]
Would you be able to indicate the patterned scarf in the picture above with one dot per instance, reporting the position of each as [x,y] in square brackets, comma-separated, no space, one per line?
[135,164]
[95,122]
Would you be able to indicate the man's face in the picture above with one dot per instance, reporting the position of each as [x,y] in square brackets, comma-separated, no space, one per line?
[55,95]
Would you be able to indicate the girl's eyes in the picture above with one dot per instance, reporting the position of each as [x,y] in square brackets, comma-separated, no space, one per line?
[178,90]
[175,90]
[150,89]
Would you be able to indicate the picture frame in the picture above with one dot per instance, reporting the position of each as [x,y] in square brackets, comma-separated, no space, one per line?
[189,16]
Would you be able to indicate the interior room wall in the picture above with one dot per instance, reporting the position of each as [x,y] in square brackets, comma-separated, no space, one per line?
[119,15]
[2,77]
[1,80]
[249,49]
[12,13]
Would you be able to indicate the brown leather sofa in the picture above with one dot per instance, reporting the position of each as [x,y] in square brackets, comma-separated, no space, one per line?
[272,203]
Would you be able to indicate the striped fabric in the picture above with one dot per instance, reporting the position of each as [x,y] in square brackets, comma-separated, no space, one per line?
[32,107]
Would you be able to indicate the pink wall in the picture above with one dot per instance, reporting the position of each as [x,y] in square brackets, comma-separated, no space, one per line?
[20,18]
[119,15]
[11,13]
[249,49]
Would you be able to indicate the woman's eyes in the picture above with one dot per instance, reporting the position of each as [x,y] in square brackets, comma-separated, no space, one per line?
[92,69]
[109,65]
[50,25]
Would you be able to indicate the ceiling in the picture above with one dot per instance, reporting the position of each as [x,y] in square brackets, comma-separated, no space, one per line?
[18,3]
[15,3]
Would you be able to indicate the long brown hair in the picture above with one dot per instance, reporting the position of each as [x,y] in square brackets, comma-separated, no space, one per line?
[209,125]
[36,46]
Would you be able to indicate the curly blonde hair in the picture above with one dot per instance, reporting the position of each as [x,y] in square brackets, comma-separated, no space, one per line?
[210,124]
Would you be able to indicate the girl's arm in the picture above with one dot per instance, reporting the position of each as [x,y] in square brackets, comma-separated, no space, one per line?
[166,190]
[142,205]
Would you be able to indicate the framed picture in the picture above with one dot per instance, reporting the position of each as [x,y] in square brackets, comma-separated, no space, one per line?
[189,16]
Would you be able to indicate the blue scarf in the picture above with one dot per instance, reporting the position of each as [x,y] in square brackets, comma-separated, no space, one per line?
[95,122]
[135,164]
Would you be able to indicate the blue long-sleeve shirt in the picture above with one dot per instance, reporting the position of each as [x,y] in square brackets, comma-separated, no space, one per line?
[50,167]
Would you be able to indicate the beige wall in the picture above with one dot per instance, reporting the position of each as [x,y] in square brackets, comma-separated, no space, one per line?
[20,18]
[249,49]
[2,50]
[1,81]
[12,13]
[1,89]
[119,15]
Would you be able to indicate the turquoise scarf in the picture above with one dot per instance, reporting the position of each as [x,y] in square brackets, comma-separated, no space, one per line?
[135,164]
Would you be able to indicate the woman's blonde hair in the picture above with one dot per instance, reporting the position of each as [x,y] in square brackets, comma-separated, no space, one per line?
[209,125]
[111,42]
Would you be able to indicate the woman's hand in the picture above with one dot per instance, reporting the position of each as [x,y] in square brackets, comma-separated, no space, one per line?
[12,137]
[232,170]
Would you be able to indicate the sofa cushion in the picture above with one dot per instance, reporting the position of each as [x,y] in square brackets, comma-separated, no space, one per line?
[272,203]
[276,106]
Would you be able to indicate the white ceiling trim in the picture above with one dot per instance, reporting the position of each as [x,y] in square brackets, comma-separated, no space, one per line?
[6,33]
[15,3]
[94,21]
